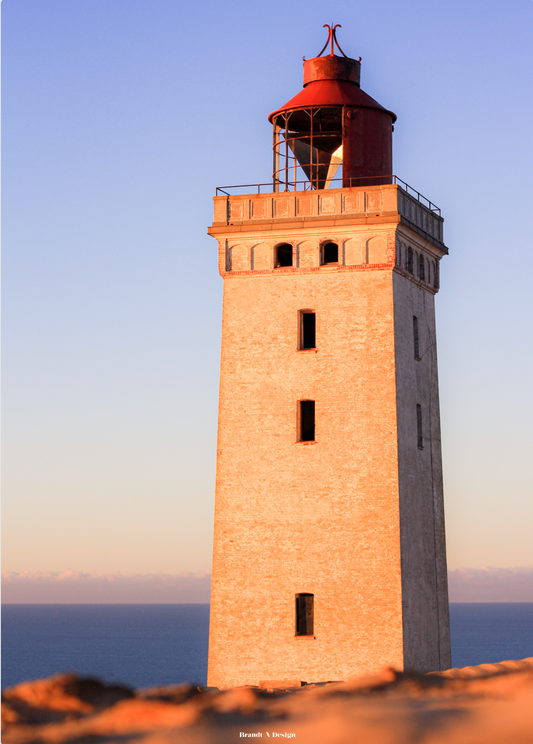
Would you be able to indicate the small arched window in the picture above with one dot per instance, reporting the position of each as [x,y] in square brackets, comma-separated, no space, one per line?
[283,256]
[421,268]
[410,260]
[330,253]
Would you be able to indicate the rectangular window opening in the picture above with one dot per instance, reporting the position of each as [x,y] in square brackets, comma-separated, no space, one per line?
[416,338]
[305,614]
[307,330]
[307,421]
[419,426]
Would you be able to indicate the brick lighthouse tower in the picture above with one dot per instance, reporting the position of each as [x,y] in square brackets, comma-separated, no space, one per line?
[329,548]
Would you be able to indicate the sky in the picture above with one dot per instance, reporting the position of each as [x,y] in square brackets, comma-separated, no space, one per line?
[120,118]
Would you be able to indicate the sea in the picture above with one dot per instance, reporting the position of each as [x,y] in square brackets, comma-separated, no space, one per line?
[148,645]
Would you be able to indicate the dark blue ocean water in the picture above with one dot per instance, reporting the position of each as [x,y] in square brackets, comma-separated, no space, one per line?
[141,645]
[488,632]
[148,645]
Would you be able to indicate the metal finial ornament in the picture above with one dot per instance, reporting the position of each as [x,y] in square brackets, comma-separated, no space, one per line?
[332,38]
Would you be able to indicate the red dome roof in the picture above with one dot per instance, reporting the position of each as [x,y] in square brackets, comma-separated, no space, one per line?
[331,93]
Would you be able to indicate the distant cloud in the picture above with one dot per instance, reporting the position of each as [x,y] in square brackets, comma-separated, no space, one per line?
[72,587]
[486,584]
[489,584]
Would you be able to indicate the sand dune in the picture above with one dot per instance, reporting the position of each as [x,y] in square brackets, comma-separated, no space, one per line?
[488,704]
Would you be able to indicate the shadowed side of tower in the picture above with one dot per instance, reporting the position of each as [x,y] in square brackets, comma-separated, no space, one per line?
[329,552]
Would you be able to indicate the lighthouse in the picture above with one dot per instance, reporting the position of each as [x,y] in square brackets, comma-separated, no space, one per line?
[329,556]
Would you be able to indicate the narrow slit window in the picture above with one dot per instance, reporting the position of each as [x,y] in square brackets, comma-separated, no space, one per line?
[307,421]
[419,426]
[421,268]
[305,611]
[307,330]
[283,256]
[416,338]
[410,260]
[330,253]
[436,275]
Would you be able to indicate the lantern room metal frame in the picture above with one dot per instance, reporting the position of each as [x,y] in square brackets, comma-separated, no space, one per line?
[328,125]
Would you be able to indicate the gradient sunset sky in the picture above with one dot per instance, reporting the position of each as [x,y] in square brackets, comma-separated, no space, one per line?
[119,120]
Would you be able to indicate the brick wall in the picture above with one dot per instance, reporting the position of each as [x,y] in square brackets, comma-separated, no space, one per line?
[327,517]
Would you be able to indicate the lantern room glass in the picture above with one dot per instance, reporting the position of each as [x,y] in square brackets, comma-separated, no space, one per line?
[307,148]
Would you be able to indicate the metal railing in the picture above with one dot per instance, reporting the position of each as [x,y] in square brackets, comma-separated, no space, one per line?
[306,186]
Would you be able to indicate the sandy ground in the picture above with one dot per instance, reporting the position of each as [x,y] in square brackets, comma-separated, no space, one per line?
[488,704]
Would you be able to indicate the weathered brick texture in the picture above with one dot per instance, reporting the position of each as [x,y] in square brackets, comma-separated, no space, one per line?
[355,518]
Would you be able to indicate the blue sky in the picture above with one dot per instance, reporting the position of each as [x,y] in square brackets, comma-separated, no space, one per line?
[120,118]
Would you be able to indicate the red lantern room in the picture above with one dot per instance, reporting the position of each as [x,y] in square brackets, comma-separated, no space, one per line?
[332,124]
